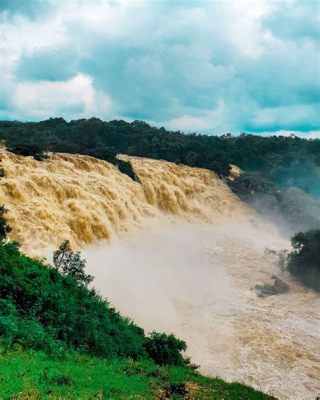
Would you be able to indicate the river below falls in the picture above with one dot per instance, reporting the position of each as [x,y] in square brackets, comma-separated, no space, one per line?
[197,281]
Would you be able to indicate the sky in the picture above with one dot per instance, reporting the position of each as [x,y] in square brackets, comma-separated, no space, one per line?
[190,65]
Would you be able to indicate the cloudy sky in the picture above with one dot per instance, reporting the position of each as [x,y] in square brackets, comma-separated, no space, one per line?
[205,66]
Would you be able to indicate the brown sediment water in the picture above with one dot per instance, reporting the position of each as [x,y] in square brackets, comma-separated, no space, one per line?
[177,252]
[198,282]
[83,199]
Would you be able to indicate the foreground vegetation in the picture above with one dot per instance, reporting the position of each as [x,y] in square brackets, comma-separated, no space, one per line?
[44,309]
[34,375]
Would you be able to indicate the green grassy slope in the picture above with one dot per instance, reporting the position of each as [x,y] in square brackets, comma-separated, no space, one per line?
[34,375]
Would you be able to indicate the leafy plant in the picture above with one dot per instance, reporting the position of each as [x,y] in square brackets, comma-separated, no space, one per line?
[70,263]
[4,227]
[166,349]
[304,259]
[27,146]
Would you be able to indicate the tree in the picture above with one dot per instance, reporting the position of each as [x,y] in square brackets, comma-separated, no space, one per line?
[69,263]
[304,259]
[27,145]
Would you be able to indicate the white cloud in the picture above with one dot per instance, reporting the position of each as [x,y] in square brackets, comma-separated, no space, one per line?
[288,115]
[75,97]
[244,24]
[210,120]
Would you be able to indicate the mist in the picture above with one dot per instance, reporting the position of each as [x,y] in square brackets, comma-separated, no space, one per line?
[291,210]
[198,281]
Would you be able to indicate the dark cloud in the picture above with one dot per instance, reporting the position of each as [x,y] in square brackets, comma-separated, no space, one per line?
[295,20]
[28,8]
[49,65]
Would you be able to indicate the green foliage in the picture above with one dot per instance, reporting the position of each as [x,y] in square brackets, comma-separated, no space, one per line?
[166,349]
[26,145]
[70,263]
[4,228]
[47,306]
[43,308]
[304,259]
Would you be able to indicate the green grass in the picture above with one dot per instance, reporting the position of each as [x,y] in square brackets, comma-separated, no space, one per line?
[34,375]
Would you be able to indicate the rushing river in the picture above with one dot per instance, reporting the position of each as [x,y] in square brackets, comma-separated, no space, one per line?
[198,282]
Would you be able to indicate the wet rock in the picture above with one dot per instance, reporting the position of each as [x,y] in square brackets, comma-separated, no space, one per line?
[277,286]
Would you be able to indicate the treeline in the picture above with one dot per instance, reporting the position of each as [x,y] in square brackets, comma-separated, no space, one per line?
[286,161]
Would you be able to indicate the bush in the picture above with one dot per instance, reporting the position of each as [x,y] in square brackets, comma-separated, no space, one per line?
[4,228]
[304,260]
[27,146]
[166,349]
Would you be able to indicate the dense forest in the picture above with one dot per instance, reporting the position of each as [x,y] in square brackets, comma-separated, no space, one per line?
[281,175]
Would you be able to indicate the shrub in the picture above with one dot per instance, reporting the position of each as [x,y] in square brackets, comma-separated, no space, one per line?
[4,228]
[166,349]
[304,259]
[27,146]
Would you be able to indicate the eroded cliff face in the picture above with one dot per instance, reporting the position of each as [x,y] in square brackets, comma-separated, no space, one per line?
[83,199]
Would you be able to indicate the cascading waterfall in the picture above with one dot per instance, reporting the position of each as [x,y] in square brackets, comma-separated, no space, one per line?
[83,199]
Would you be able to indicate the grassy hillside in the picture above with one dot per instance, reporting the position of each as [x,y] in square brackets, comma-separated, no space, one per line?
[34,375]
